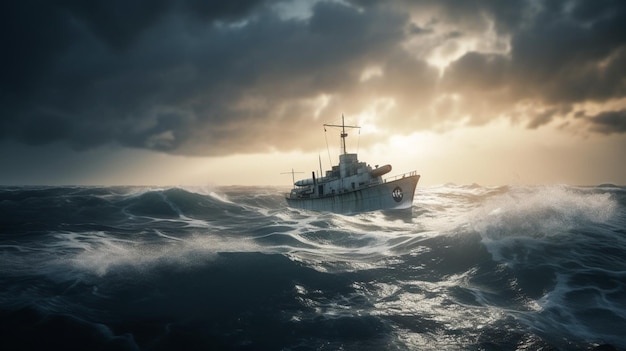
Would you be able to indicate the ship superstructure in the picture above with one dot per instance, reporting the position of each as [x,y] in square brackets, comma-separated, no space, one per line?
[353,186]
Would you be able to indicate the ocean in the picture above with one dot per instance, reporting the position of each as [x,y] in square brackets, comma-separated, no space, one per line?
[233,268]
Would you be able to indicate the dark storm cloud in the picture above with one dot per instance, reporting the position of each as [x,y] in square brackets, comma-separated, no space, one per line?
[562,53]
[220,77]
[575,57]
[192,77]
[610,122]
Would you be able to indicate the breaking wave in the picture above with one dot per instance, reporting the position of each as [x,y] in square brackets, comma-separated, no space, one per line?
[233,268]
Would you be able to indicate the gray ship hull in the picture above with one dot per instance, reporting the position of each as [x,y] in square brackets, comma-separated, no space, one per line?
[396,194]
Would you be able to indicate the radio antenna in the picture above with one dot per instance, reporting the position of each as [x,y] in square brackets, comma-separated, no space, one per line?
[343,134]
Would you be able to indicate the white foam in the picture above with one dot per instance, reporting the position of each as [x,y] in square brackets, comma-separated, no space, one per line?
[71,255]
[560,229]
[539,212]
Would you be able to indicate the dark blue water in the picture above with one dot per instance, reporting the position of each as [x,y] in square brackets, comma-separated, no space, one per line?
[470,267]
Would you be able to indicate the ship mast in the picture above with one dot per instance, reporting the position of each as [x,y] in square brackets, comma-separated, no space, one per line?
[343,134]
[293,175]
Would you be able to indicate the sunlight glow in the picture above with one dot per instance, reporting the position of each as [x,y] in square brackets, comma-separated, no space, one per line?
[368,118]
[493,154]
[447,107]
[443,55]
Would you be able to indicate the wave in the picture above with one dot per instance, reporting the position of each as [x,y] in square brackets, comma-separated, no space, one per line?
[565,248]
[229,267]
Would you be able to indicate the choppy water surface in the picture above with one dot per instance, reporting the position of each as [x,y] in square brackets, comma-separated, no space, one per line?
[468,267]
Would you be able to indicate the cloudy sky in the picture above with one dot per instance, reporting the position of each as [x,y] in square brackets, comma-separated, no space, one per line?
[235,92]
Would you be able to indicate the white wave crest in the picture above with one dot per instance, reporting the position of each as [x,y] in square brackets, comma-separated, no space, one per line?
[541,211]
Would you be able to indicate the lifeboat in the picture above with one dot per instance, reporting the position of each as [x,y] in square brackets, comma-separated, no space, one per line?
[380,171]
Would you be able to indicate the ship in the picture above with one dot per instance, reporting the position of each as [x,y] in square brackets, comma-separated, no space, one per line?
[353,186]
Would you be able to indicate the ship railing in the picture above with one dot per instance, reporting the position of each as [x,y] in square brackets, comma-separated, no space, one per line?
[400,176]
